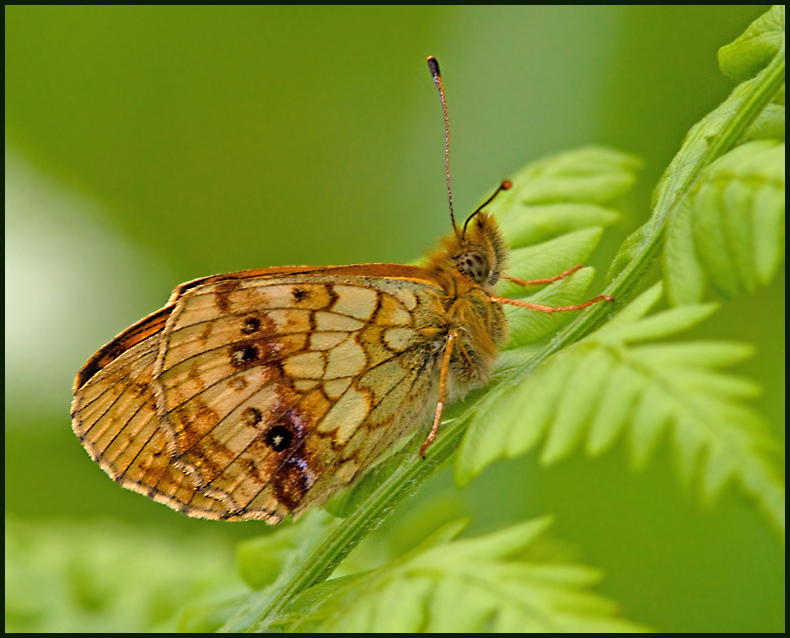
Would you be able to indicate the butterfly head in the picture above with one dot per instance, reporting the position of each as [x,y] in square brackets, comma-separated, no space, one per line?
[480,253]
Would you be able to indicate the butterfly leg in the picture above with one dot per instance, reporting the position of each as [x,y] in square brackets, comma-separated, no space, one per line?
[541,282]
[549,309]
[442,393]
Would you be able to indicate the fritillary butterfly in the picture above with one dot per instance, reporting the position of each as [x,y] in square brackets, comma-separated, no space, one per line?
[258,394]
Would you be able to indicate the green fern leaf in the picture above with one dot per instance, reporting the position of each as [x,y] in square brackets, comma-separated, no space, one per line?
[745,57]
[686,280]
[620,394]
[732,227]
[633,245]
[749,110]
[611,382]
[102,576]
[576,404]
[535,224]
[263,560]
[478,584]
[589,175]
[769,125]
[564,193]
[728,225]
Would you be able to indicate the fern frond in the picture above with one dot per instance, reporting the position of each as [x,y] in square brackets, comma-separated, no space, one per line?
[759,53]
[728,227]
[612,383]
[273,558]
[730,231]
[589,175]
[769,125]
[538,224]
[104,576]
[571,392]
[478,584]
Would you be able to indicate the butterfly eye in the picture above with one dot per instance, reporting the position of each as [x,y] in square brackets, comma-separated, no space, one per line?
[474,265]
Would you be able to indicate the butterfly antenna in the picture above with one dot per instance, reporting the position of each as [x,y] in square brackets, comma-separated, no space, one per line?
[506,185]
[433,65]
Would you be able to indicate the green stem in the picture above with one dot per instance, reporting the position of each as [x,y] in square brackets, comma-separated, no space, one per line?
[718,137]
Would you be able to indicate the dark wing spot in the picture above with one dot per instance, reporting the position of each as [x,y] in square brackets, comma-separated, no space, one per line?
[251,324]
[249,468]
[290,483]
[333,296]
[284,431]
[252,416]
[279,438]
[222,294]
[300,294]
[194,376]
[244,354]
[140,389]
[238,383]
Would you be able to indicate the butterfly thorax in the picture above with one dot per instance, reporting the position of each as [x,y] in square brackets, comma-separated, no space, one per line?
[467,268]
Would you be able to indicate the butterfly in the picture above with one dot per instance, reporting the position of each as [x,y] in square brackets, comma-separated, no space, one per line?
[258,394]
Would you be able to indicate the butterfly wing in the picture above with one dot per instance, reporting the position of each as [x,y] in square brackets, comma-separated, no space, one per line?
[272,388]
[115,417]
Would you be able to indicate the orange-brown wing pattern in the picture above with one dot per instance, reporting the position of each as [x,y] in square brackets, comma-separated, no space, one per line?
[114,414]
[271,389]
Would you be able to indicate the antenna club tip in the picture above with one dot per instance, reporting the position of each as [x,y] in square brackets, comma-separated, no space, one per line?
[507,185]
[433,65]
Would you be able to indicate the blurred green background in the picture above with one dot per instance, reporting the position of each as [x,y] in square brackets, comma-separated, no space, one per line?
[146,146]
